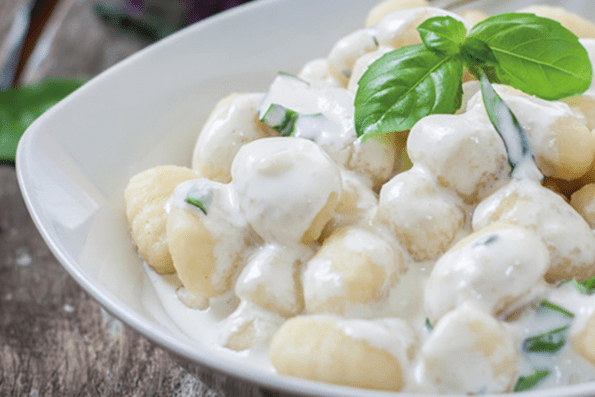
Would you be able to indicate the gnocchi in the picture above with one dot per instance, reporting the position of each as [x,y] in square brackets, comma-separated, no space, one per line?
[421,261]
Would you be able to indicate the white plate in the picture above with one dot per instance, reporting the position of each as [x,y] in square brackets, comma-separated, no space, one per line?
[74,162]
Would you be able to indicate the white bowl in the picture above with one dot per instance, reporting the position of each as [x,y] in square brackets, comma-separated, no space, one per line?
[74,162]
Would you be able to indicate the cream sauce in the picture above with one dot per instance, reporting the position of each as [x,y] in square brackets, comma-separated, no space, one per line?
[279,187]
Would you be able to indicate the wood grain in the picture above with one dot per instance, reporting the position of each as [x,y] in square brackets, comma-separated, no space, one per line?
[54,339]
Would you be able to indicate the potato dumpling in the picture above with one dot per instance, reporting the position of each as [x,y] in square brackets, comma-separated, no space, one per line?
[353,270]
[399,28]
[567,235]
[317,73]
[423,217]
[584,107]
[271,279]
[469,351]
[578,25]
[583,201]
[287,188]
[582,332]
[356,206]
[249,326]
[347,50]
[145,196]
[207,244]
[233,123]
[463,152]
[563,145]
[377,157]
[385,7]
[493,268]
[473,16]
[357,353]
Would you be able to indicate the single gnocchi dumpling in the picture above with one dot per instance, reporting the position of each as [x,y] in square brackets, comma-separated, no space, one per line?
[272,279]
[385,7]
[376,157]
[583,107]
[469,351]
[563,145]
[249,326]
[399,28]
[494,268]
[567,235]
[583,201]
[463,152]
[348,50]
[233,123]
[422,216]
[287,188]
[146,195]
[207,238]
[353,271]
[356,206]
[582,331]
[578,25]
[473,16]
[357,353]
[316,72]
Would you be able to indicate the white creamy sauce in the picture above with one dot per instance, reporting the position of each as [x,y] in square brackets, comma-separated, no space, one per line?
[475,278]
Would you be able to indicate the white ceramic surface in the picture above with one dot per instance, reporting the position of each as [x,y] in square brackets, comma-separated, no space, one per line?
[74,162]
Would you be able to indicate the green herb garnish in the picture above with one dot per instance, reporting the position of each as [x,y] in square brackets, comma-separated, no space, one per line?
[20,106]
[506,124]
[281,119]
[587,287]
[553,306]
[548,342]
[199,199]
[534,54]
[530,381]
[429,324]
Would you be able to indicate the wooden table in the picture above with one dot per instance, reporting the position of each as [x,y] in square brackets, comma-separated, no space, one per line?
[54,339]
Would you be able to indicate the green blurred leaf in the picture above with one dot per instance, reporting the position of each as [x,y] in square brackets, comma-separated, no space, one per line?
[20,106]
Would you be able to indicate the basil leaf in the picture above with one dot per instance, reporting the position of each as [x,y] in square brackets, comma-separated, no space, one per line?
[549,342]
[530,381]
[553,306]
[443,34]
[534,54]
[404,86]
[506,124]
[20,106]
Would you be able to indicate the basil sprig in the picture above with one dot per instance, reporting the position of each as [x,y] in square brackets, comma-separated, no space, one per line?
[534,54]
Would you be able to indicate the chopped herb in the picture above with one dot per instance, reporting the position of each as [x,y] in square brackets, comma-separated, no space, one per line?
[530,381]
[548,342]
[199,199]
[280,118]
[589,285]
[429,324]
[549,305]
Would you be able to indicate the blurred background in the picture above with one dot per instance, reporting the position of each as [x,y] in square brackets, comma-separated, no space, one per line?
[54,339]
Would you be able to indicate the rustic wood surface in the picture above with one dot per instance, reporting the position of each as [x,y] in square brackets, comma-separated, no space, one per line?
[54,339]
